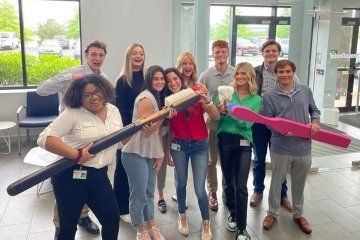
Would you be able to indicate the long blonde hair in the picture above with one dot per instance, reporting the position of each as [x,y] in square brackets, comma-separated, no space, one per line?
[250,73]
[179,62]
[127,69]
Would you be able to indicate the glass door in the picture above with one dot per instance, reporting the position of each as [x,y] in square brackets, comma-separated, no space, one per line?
[250,32]
[249,40]
[347,61]
[356,96]
[283,37]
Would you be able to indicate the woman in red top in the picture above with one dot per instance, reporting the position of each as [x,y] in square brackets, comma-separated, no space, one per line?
[189,141]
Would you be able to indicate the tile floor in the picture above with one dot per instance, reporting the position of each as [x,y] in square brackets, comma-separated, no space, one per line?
[332,205]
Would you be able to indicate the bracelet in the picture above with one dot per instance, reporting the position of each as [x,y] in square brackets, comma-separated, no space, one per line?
[209,103]
[77,159]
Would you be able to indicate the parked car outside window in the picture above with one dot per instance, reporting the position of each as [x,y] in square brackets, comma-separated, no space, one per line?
[284,46]
[77,49]
[64,42]
[258,42]
[50,46]
[8,40]
[244,46]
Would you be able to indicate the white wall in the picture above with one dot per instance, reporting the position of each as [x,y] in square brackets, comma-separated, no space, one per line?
[121,23]
[10,102]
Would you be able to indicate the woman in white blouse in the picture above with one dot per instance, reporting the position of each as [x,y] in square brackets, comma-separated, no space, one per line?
[89,116]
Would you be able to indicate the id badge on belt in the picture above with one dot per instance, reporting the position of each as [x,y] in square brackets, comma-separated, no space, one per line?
[244,142]
[175,146]
[79,173]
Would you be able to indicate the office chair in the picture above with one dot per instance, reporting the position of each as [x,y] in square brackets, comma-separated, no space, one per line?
[40,112]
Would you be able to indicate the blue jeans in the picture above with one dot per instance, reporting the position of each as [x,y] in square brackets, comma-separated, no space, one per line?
[197,151]
[261,140]
[142,187]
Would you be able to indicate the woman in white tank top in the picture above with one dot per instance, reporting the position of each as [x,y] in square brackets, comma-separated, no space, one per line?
[143,155]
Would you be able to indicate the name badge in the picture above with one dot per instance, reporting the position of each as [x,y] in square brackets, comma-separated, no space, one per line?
[175,147]
[244,143]
[79,174]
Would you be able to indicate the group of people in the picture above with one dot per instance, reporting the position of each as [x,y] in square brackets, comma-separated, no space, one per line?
[200,134]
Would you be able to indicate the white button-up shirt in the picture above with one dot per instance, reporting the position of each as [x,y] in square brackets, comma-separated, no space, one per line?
[77,127]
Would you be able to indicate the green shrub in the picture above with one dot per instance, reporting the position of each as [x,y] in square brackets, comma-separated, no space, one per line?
[38,68]
[10,69]
[48,66]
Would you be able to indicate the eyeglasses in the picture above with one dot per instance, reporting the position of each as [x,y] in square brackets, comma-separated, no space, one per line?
[90,95]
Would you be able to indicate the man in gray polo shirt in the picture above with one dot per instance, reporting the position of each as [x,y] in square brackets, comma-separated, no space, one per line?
[218,75]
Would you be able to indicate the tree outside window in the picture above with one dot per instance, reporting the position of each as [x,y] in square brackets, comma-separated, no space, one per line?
[50,32]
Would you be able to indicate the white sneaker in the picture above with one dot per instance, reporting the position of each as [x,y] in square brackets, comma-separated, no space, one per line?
[126,218]
[144,235]
[155,234]
[183,225]
[206,230]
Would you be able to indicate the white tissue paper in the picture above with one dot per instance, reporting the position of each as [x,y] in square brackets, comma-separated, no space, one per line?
[225,93]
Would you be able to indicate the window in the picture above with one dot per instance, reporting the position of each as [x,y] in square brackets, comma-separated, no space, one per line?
[50,32]
[253,11]
[283,12]
[187,28]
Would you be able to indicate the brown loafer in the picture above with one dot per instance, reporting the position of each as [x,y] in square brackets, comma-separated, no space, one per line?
[255,199]
[269,221]
[303,224]
[213,202]
[286,204]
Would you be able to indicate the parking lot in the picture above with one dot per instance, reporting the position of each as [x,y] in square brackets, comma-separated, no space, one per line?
[32,49]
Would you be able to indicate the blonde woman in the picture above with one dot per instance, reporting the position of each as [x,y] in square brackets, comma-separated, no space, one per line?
[186,64]
[128,87]
[235,147]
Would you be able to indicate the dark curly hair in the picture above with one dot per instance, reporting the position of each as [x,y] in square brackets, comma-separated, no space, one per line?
[73,97]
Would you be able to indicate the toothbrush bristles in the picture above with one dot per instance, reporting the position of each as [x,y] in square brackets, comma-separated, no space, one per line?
[179,97]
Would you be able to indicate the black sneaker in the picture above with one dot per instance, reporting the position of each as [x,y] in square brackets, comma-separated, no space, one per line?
[90,226]
[162,206]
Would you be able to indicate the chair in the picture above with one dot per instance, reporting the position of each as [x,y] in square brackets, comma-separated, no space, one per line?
[40,112]
[40,157]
